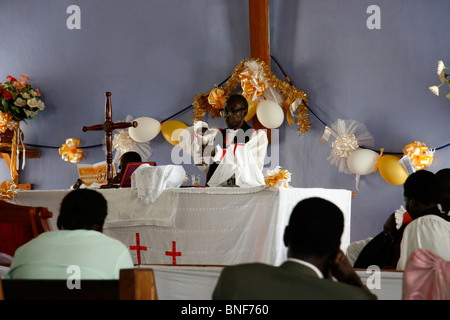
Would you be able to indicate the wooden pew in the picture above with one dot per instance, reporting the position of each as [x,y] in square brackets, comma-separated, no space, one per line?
[134,284]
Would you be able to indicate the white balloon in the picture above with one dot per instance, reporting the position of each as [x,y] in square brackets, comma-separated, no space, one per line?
[270,114]
[362,161]
[147,129]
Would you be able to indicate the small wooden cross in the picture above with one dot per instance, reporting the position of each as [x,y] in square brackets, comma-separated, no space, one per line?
[108,126]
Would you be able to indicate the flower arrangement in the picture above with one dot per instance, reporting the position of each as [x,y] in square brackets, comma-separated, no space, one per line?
[19,99]
[443,77]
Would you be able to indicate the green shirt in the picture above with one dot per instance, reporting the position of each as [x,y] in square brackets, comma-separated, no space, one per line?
[92,254]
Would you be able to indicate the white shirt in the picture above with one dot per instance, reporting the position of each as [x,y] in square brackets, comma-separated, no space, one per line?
[49,255]
[309,265]
[428,232]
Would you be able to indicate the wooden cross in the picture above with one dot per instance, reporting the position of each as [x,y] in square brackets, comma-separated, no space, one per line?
[108,126]
[259,41]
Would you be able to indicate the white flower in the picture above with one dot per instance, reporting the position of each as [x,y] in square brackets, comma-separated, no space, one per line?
[440,71]
[40,105]
[435,90]
[25,95]
[29,113]
[33,93]
[440,67]
[20,102]
[32,103]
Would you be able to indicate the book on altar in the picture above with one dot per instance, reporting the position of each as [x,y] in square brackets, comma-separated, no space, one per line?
[94,175]
[131,167]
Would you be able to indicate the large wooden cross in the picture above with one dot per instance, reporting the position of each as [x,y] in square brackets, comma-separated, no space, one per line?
[259,40]
[109,126]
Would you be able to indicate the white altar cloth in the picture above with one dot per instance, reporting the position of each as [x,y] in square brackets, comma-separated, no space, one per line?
[198,282]
[207,226]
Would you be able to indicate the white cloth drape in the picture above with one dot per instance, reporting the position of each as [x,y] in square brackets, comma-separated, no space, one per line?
[244,161]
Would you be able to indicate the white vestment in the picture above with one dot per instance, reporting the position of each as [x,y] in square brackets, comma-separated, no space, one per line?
[243,161]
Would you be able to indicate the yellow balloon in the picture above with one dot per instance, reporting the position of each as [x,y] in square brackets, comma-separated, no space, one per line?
[391,170]
[251,109]
[171,130]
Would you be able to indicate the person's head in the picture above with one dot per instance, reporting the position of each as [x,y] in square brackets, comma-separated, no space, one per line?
[127,157]
[444,180]
[314,230]
[235,111]
[82,209]
[421,191]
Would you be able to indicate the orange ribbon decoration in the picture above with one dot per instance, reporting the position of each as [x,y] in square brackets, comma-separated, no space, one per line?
[70,151]
[251,86]
[217,98]
[287,111]
[275,178]
[6,123]
[7,190]
[419,154]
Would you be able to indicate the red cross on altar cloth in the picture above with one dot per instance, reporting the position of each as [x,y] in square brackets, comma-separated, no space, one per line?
[173,253]
[138,248]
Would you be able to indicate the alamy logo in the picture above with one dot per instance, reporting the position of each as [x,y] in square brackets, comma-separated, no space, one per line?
[374,21]
[374,280]
[74,279]
[201,151]
[74,20]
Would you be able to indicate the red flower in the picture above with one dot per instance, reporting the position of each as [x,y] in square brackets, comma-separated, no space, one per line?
[12,79]
[7,95]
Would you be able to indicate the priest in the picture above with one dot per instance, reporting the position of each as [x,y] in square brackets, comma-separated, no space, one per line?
[236,154]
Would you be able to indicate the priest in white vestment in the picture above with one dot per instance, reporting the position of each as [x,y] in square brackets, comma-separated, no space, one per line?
[231,156]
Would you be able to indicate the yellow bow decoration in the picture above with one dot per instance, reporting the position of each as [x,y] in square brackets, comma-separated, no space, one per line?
[419,154]
[70,151]
[7,122]
[277,178]
[217,98]
[252,86]
[7,190]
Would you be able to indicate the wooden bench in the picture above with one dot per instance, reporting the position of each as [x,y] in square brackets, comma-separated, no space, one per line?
[134,284]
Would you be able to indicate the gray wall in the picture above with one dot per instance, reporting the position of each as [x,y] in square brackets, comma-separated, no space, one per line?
[156,56]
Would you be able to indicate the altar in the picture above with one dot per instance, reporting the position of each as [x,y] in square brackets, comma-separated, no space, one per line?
[200,226]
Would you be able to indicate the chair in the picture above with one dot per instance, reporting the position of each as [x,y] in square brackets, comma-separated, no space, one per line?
[133,284]
[426,277]
[19,224]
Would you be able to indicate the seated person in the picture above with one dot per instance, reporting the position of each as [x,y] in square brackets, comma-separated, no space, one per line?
[79,242]
[127,157]
[444,180]
[313,239]
[430,228]
[422,195]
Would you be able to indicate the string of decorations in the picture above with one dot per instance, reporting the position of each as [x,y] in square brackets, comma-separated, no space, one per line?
[200,96]
[351,151]
[257,82]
